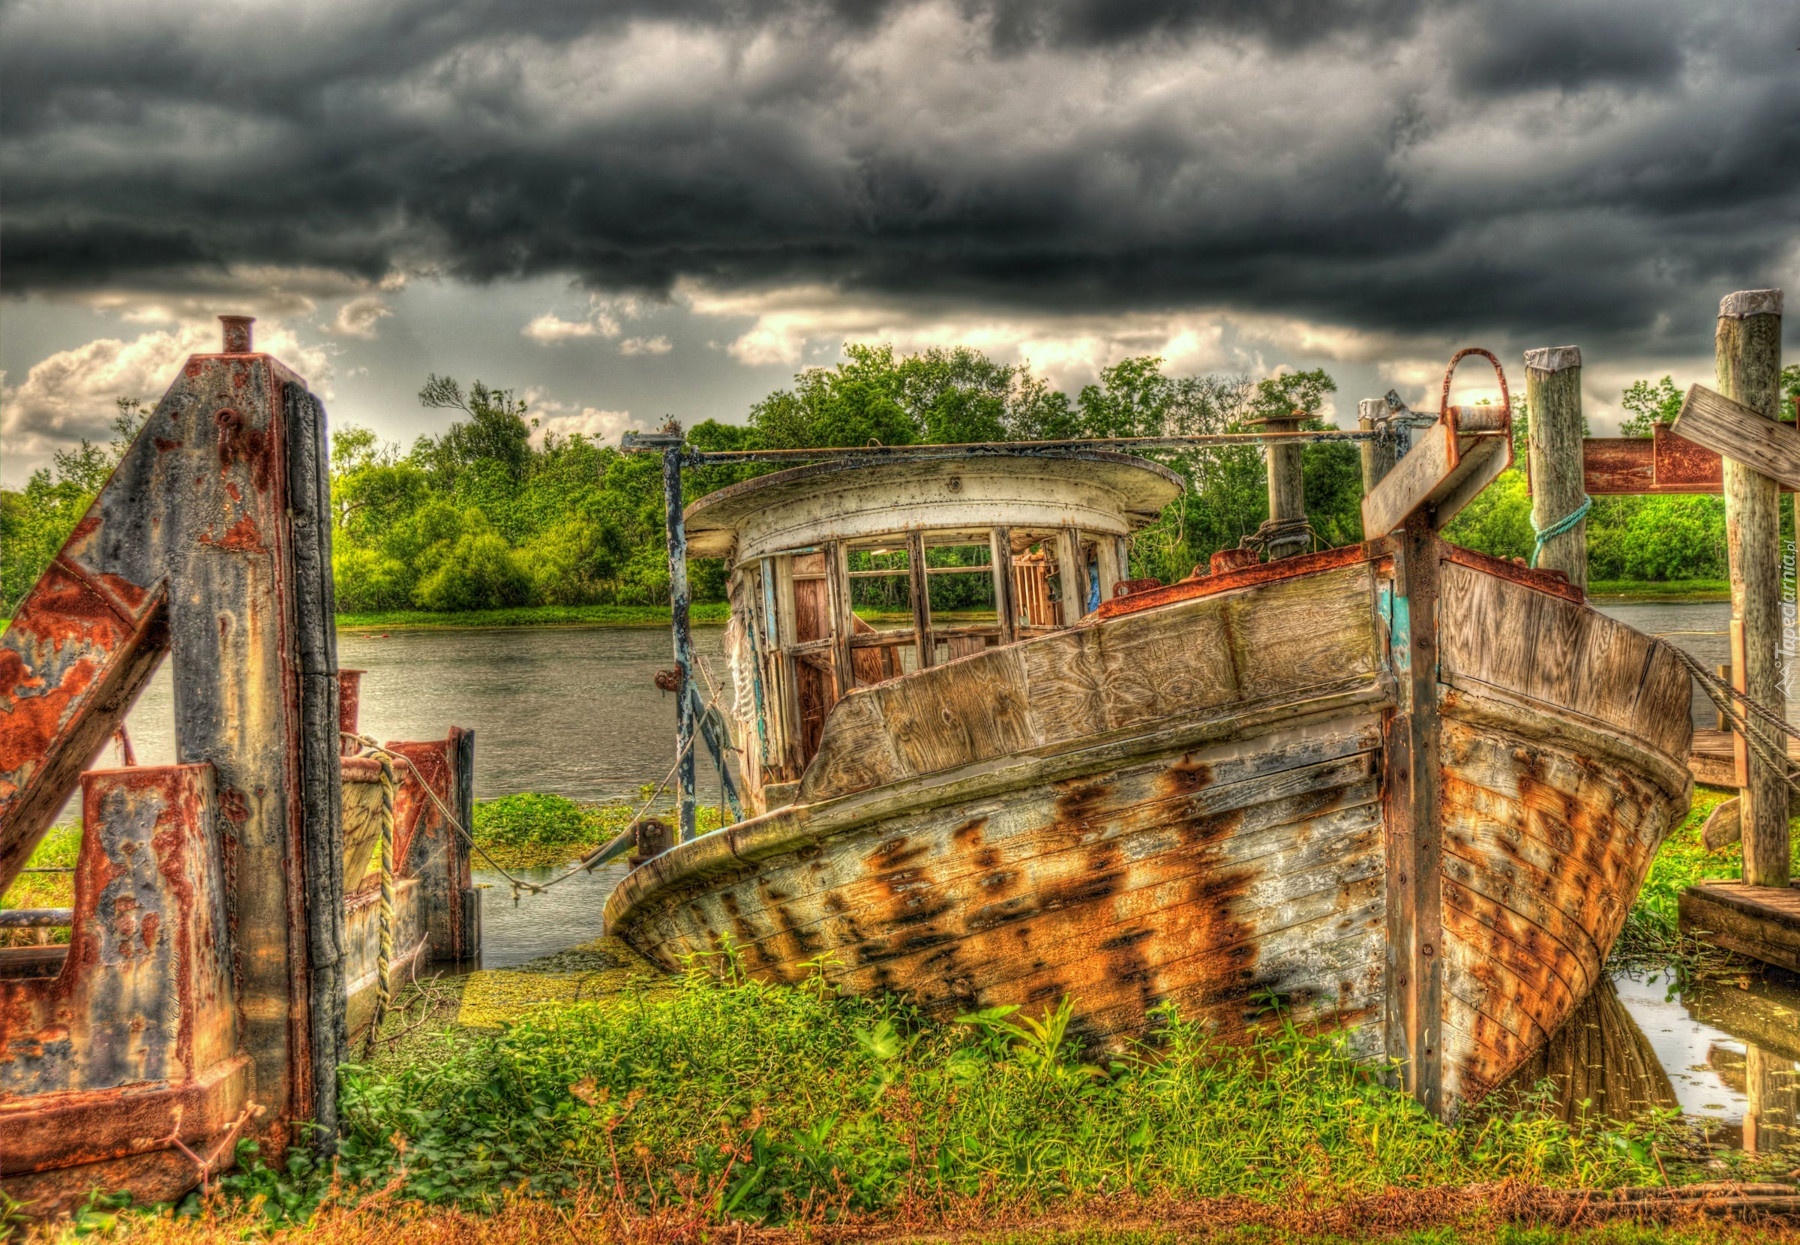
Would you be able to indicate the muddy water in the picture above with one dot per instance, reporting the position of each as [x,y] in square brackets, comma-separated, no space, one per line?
[570,710]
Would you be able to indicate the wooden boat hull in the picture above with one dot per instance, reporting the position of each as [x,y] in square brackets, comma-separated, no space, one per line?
[1190,802]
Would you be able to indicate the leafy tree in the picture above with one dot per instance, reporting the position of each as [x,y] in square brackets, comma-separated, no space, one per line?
[1649,405]
[37,520]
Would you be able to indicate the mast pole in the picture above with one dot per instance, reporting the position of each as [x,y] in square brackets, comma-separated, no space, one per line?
[670,442]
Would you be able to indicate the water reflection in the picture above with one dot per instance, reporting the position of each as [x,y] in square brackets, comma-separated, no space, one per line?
[1600,1063]
[1725,1051]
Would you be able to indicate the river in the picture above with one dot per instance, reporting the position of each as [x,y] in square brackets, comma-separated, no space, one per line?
[574,711]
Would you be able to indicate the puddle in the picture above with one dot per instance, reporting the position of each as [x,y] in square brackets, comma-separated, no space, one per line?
[1727,1052]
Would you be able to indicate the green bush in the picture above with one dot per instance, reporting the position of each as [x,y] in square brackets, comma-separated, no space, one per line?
[551,820]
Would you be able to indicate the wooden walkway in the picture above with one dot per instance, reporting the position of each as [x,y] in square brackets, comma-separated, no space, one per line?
[1762,922]
[1709,758]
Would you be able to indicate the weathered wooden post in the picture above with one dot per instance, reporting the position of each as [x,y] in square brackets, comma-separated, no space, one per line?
[1747,351]
[1377,455]
[1287,535]
[1559,501]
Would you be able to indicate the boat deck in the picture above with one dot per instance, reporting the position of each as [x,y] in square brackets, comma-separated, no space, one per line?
[1710,760]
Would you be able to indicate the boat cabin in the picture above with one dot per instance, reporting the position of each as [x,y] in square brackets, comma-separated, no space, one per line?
[846,574]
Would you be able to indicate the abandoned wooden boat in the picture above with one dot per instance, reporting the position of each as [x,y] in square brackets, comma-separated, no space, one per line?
[1397,788]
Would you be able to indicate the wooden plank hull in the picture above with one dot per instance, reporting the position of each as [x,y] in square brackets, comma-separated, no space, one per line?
[1184,804]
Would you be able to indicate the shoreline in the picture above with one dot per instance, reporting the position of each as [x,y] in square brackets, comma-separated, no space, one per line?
[715,613]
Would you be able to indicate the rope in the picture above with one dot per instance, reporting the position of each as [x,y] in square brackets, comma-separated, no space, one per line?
[1726,699]
[384,955]
[1567,522]
[1279,532]
[519,885]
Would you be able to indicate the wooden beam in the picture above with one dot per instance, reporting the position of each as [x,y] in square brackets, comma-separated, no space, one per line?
[837,592]
[1437,477]
[1748,356]
[1411,813]
[1741,433]
[1074,579]
[1000,554]
[921,599]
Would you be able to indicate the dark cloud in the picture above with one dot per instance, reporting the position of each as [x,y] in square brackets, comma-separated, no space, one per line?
[1387,164]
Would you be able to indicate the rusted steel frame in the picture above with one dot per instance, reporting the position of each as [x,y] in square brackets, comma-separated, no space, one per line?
[995,449]
[1454,416]
[76,624]
[921,599]
[683,636]
[47,1132]
[1662,463]
[1412,818]
[202,501]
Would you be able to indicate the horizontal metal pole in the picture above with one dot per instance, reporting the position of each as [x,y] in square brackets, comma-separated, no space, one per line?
[35,918]
[1011,449]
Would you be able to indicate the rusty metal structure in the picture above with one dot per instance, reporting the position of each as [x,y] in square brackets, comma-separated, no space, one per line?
[1403,789]
[221,937]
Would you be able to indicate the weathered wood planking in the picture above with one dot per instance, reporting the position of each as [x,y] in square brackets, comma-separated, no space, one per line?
[1545,847]
[1136,670]
[1740,433]
[1505,636]
[1202,878]
[1762,922]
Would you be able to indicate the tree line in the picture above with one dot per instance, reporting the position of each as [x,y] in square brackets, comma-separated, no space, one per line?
[490,514]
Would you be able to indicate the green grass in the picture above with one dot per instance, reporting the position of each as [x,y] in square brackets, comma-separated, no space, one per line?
[753,1101]
[1629,590]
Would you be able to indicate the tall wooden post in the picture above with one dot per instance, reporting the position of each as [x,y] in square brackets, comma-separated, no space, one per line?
[1287,489]
[1377,455]
[1748,357]
[1553,399]
[1411,794]
[684,636]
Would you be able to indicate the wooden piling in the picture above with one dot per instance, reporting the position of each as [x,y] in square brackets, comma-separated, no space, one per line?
[1377,455]
[1553,399]
[1748,358]
[1287,489]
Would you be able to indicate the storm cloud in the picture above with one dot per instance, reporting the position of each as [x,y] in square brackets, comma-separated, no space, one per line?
[1592,165]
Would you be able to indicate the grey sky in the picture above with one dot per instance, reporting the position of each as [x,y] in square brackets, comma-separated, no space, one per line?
[640,209]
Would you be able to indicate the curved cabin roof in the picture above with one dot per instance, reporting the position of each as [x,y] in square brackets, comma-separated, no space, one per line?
[1097,491]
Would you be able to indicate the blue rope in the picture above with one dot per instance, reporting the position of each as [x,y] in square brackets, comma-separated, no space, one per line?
[1568,521]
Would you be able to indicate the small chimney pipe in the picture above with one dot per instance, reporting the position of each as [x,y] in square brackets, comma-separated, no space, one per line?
[237,333]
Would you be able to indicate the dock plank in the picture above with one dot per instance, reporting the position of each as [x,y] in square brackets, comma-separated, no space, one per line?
[1762,922]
